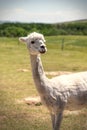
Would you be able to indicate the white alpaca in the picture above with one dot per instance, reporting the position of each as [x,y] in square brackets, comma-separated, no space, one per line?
[57,93]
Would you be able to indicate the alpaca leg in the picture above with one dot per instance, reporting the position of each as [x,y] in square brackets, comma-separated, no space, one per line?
[53,120]
[58,120]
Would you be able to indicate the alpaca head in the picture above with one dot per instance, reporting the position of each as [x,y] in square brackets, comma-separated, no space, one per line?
[35,43]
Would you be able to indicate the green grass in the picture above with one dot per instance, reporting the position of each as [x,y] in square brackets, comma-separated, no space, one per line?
[16,85]
[72,58]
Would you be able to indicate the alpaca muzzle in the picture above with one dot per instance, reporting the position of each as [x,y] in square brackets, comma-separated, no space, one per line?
[43,49]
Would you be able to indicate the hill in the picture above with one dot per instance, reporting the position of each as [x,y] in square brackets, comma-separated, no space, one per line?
[17,29]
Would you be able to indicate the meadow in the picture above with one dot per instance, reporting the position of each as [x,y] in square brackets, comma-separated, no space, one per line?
[16,84]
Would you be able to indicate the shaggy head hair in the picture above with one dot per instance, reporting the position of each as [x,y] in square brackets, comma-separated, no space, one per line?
[35,43]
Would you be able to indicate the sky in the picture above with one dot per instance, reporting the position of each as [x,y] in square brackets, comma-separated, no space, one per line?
[42,11]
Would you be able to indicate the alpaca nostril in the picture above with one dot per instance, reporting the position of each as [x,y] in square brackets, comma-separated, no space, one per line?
[42,47]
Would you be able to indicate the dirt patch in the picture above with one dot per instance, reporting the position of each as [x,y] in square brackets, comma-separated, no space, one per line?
[33,101]
[51,73]
[57,73]
[22,70]
[75,112]
[30,101]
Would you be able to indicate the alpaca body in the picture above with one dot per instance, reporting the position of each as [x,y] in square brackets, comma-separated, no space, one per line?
[71,90]
[66,91]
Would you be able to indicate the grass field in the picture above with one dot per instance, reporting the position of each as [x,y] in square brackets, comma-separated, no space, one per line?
[15,85]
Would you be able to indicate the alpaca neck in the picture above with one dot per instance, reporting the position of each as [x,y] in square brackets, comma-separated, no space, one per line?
[38,73]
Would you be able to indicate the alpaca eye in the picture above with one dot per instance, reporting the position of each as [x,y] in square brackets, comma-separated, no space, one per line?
[32,42]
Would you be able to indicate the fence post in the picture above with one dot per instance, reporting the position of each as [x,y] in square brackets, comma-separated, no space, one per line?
[62,44]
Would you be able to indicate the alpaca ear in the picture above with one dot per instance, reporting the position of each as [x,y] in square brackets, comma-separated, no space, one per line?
[23,39]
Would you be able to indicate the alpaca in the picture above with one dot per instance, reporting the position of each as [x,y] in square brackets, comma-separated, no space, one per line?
[58,93]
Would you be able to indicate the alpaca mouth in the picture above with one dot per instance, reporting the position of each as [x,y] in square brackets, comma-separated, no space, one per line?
[42,51]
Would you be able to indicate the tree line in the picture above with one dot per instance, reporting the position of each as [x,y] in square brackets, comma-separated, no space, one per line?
[22,29]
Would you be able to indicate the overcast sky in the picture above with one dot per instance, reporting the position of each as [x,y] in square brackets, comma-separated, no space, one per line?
[48,11]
